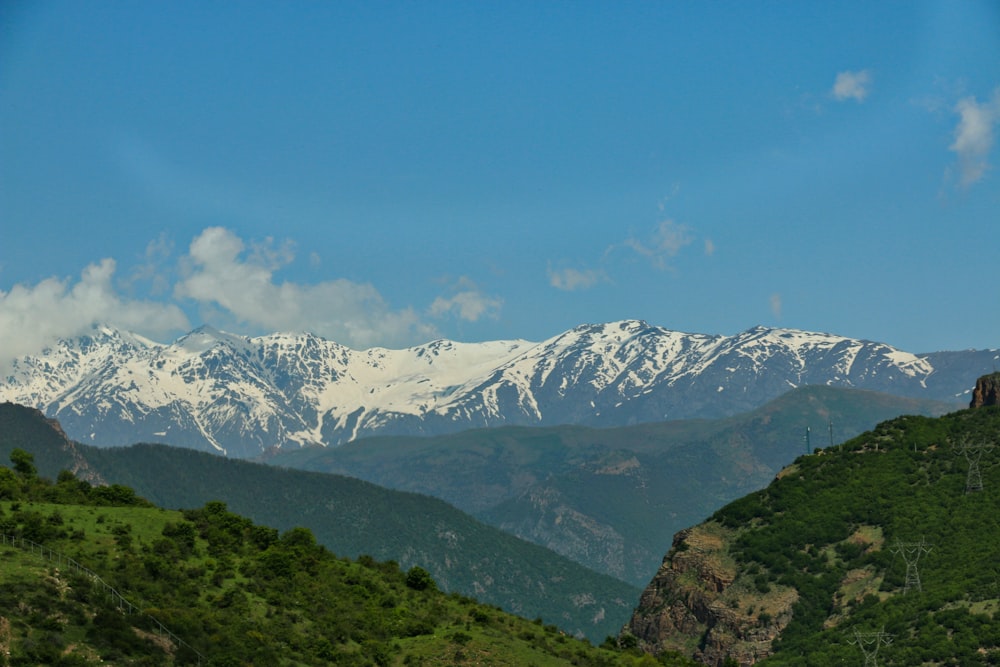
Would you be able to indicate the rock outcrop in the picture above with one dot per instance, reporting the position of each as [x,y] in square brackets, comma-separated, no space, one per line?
[987,391]
[700,604]
[34,427]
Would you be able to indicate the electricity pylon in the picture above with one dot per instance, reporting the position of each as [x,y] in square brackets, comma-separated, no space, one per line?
[911,552]
[973,453]
[870,643]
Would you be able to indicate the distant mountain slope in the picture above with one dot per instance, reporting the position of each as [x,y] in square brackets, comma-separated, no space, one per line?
[240,396]
[351,518]
[611,499]
[875,544]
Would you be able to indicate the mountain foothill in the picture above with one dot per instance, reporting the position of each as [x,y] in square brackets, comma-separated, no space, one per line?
[783,473]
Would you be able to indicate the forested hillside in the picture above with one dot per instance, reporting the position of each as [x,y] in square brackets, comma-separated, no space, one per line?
[96,575]
[887,543]
[351,518]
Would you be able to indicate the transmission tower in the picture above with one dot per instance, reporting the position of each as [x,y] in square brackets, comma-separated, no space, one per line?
[911,552]
[870,643]
[973,453]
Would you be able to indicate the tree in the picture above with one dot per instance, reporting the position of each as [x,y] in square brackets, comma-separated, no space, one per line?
[24,463]
[419,579]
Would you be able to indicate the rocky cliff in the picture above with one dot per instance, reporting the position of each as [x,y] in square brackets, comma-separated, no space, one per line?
[987,391]
[700,604]
[29,429]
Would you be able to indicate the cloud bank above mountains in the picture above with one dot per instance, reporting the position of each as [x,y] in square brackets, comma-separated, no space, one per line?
[227,281]
[234,284]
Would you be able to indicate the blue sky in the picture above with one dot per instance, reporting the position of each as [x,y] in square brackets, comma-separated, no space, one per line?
[385,173]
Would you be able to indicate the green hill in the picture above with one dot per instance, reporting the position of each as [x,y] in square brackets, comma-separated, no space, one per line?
[351,518]
[611,499]
[876,543]
[96,575]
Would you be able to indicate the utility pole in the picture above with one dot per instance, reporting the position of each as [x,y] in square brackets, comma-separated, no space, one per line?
[973,453]
[808,447]
[911,552]
[869,643]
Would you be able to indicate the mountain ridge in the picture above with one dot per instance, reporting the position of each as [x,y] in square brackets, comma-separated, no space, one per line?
[242,395]
[609,498]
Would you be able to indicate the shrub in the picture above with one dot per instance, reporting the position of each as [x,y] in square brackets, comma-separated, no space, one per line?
[419,579]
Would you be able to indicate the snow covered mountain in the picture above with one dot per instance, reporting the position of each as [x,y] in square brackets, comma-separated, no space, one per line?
[240,396]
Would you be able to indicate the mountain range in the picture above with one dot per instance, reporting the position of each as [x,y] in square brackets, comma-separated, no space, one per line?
[241,396]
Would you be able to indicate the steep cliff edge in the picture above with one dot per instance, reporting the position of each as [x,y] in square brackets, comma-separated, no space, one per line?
[987,391]
[700,604]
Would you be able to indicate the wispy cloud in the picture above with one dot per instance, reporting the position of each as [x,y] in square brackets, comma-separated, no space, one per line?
[666,240]
[154,267]
[974,136]
[222,272]
[570,279]
[467,303]
[35,316]
[852,85]
[776,304]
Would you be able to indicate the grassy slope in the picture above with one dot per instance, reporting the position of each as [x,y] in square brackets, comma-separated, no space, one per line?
[237,598]
[351,518]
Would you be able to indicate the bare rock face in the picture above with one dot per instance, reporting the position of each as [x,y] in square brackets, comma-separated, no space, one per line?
[700,605]
[987,391]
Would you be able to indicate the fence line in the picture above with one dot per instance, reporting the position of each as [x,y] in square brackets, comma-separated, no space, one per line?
[119,601]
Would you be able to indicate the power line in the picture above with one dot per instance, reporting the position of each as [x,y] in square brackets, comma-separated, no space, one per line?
[973,454]
[911,553]
[870,643]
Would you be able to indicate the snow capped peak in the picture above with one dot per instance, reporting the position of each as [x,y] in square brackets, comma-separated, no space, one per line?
[206,337]
[242,395]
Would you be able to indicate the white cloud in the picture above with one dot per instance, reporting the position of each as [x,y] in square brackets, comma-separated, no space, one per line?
[709,247]
[570,279]
[974,136]
[468,303]
[664,243]
[235,287]
[852,85]
[32,317]
[219,272]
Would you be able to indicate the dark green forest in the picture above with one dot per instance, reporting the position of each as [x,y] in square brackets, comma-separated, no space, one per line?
[230,592]
[888,533]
